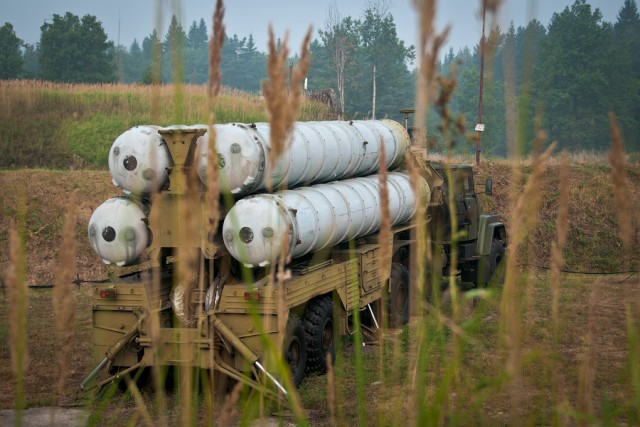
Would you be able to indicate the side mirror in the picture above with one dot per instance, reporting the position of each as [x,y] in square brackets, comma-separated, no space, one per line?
[488,187]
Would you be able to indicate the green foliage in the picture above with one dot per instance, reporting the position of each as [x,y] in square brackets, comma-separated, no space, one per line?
[346,56]
[134,65]
[573,81]
[564,79]
[31,63]
[183,57]
[627,82]
[11,61]
[388,54]
[173,48]
[341,50]
[198,38]
[91,139]
[243,66]
[75,50]
[320,75]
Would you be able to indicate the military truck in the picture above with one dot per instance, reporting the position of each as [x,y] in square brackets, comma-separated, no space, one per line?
[274,273]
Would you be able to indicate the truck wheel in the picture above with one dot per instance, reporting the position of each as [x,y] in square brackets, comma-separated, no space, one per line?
[496,264]
[318,327]
[398,295]
[295,349]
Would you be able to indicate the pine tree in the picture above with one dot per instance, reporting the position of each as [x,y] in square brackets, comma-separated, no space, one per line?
[175,42]
[627,43]
[134,63]
[231,60]
[152,55]
[574,82]
[197,38]
[252,66]
[528,58]
[197,53]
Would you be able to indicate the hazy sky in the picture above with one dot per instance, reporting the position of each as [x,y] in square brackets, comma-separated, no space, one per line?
[126,20]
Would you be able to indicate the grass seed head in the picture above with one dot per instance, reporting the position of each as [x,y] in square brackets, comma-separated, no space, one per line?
[64,302]
[622,194]
[384,236]
[283,104]
[17,304]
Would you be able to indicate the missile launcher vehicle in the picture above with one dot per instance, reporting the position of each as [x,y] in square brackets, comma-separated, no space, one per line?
[270,276]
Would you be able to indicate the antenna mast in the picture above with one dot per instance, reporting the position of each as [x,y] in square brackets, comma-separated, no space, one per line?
[480,125]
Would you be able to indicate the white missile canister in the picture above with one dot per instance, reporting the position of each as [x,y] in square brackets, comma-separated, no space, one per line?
[319,152]
[118,232]
[309,219]
[139,160]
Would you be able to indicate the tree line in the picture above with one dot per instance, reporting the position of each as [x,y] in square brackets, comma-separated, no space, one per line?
[564,78]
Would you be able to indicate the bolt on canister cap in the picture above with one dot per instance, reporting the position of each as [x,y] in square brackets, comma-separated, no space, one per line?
[267,232]
[129,235]
[149,174]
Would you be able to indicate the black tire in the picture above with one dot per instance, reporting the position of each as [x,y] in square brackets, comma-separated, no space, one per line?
[398,295]
[295,349]
[496,263]
[318,327]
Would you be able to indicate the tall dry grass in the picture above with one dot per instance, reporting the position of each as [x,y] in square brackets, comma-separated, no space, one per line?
[64,303]
[212,198]
[622,196]
[214,87]
[283,106]
[17,301]
[283,99]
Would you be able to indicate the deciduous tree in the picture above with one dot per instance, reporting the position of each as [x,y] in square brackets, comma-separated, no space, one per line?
[10,56]
[75,50]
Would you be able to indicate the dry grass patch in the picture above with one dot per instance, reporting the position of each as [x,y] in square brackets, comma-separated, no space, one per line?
[45,195]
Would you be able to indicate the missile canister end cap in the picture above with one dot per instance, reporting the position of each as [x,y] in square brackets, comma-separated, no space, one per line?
[134,154]
[253,230]
[117,231]
[239,158]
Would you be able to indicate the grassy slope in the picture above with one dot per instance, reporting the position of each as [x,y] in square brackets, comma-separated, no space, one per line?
[593,242]
[593,245]
[62,126]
